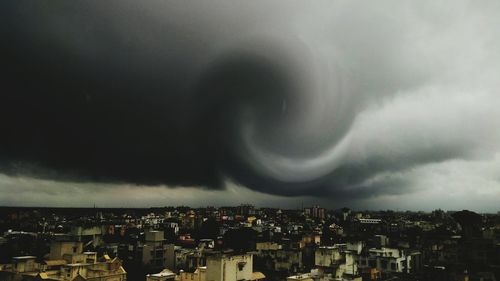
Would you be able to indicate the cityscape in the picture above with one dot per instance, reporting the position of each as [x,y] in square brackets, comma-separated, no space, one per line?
[250,140]
[247,243]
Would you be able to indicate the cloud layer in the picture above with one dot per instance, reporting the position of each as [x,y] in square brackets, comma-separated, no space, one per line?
[347,100]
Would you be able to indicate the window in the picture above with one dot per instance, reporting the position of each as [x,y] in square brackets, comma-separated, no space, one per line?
[241,265]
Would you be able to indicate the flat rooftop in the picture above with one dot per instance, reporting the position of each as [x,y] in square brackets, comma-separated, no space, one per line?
[24,258]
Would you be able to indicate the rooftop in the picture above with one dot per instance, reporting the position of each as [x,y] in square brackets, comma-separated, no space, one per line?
[24,258]
[163,273]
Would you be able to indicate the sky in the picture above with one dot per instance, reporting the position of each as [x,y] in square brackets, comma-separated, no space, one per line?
[383,105]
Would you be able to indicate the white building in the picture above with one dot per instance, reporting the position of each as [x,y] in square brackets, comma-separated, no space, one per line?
[229,268]
[387,260]
[164,275]
[221,267]
[327,256]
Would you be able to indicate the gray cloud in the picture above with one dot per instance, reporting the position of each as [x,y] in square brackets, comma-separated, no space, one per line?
[347,100]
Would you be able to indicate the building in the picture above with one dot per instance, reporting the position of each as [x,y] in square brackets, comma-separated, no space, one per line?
[336,263]
[301,277]
[267,246]
[229,267]
[164,275]
[315,212]
[66,262]
[276,258]
[317,275]
[200,274]
[328,256]
[59,249]
[246,210]
[312,238]
[220,267]
[155,252]
[389,260]
[92,234]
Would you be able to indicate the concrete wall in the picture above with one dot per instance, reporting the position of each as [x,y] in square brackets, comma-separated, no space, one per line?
[230,268]
[326,256]
[58,249]
[170,256]
[154,236]
[266,246]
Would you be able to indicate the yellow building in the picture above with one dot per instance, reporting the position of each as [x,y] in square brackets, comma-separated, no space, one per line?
[66,263]
[199,275]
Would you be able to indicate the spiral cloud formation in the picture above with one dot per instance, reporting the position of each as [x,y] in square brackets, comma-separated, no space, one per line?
[336,98]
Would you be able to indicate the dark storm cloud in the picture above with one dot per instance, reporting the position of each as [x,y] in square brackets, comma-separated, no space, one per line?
[316,99]
[87,100]
[110,93]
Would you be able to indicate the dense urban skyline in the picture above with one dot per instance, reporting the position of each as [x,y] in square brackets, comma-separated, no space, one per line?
[332,103]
